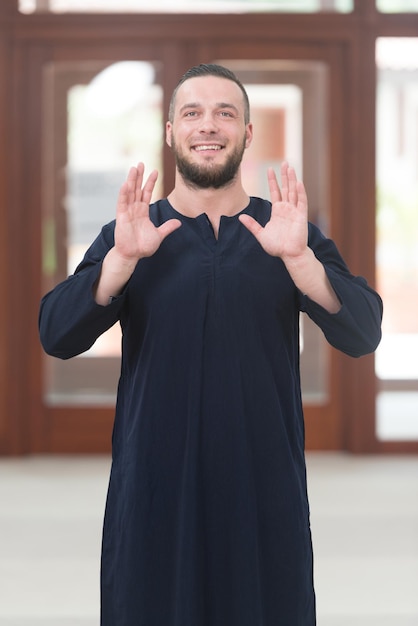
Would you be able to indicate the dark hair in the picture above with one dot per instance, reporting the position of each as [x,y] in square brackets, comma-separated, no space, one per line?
[210,69]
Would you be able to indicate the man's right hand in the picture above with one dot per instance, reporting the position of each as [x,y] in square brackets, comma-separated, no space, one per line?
[136,236]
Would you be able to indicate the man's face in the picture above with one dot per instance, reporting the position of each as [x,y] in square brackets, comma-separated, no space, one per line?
[208,134]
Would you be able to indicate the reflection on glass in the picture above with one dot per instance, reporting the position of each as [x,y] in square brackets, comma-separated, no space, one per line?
[102,137]
[113,122]
[397,6]
[288,111]
[276,113]
[397,236]
[187,6]
[102,123]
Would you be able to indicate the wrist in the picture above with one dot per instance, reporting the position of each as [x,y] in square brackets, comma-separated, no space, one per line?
[299,262]
[119,263]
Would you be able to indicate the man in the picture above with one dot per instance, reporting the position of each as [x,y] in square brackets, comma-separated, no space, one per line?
[207,517]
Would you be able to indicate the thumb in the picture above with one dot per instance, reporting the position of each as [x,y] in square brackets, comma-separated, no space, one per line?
[169,227]
[251,224]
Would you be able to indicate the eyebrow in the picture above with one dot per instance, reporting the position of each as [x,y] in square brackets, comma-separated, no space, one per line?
[219,105]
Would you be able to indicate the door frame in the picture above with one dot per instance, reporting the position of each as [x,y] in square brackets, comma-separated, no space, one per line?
[179,41]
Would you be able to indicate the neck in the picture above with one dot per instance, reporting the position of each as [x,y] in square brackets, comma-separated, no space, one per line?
[228,200]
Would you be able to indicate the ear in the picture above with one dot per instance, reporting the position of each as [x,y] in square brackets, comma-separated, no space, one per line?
[248,134]
[168,132]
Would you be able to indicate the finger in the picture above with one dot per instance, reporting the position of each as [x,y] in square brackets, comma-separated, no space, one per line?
[253,226]
[140,168]
[131,183]
[169,227]
[292,182]
[275,194]
[302,195]
[284,171]
[122,202]
[149,187]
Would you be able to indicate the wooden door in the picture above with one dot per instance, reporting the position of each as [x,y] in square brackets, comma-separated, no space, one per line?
[60,53]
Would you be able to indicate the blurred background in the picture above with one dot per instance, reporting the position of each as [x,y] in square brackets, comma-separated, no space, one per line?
[84,92]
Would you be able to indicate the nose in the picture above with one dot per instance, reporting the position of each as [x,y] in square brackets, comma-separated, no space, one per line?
[208,123]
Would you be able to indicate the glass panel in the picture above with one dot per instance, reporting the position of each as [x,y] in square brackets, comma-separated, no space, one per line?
[397,236]
[187,6]
[98,122]
[397,6]
[288,98]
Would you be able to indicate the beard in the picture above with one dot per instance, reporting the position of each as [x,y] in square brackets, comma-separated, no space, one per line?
[208,175]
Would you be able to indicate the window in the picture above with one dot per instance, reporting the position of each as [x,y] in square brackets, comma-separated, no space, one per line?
[100,119]
[397,6]
[186,6]
[397,236]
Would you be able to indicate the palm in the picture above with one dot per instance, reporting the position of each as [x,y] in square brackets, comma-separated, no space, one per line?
[286,233]
[135,234]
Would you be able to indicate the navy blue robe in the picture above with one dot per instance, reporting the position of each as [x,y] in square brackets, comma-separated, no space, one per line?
[207,516]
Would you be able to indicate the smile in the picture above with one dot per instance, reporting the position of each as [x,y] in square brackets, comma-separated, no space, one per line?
[207,147]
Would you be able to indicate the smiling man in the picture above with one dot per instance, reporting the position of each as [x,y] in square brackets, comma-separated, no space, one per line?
[207,516]
[209,118]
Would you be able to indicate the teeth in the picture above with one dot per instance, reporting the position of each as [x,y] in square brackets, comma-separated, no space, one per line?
[209,147]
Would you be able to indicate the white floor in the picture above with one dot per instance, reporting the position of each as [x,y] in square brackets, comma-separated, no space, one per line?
[364,521]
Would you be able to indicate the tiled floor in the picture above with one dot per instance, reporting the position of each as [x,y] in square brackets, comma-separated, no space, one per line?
[364,523]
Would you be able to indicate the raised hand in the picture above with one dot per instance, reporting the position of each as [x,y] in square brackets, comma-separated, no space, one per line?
[286,236]
[135,234]
[286,233]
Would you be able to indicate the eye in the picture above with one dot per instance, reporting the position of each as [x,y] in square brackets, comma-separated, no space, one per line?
[225,114]
[190,114]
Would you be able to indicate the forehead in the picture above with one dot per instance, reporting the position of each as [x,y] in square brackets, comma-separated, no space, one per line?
[209,91]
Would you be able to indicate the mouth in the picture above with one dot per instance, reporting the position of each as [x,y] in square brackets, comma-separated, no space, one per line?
[207,147]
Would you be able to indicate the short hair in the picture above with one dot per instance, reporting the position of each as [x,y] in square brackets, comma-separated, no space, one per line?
[210,69]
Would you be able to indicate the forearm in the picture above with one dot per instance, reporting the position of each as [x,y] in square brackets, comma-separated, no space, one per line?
[115,273]
[70,320]
[309,276]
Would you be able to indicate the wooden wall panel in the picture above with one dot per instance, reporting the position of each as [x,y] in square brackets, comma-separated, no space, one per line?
[10,391]
[5,269]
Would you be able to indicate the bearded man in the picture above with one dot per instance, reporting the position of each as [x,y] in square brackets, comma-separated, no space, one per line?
[207,516]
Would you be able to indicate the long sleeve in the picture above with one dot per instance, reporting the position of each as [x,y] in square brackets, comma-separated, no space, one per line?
[356,328]
[70,320]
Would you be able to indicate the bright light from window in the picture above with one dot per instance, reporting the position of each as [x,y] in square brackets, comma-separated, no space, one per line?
[189,6]
[119,88]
